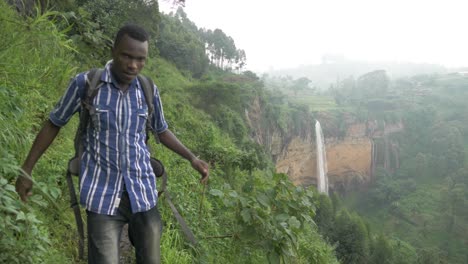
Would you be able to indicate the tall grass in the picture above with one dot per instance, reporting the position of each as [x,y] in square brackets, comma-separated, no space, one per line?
[33,69]
[36,60]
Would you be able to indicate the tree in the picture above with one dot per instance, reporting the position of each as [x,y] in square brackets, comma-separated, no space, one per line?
[454,203]
[374,83]
[222,50]
[381,251]
[351,236]
[403,253]
[93,23]
[300,84]
[240,60]
[179,42]
[325,215]
[447,148]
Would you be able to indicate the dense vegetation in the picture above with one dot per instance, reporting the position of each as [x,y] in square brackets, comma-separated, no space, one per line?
[414,212]
[419,195]
[247,213]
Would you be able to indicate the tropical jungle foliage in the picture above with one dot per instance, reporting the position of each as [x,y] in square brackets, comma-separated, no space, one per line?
[247,213]
[420,193]
[415,211]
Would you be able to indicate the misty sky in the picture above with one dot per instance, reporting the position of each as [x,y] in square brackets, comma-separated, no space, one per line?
[281,34]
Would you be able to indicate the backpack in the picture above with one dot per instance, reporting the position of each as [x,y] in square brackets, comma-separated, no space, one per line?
[91,89]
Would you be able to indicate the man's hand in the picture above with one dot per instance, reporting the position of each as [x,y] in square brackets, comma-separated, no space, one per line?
[24,187]
[169,140]
[203,168]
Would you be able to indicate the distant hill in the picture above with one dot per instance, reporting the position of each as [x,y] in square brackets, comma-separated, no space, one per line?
[331,71]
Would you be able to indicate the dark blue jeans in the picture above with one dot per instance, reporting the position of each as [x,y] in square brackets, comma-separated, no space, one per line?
[144,231]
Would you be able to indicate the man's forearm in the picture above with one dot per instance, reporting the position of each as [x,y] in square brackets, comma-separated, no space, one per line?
[169,140]
[43,140]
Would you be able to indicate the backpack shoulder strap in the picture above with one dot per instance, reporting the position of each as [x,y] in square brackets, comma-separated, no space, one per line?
[148,89]
[90,91]
[92,84]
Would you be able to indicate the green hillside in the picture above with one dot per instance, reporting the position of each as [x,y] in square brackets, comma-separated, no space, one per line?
[246,214]
[423,198]
[414,211]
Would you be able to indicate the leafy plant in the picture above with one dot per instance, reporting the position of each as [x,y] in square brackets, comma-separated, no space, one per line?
[272,218]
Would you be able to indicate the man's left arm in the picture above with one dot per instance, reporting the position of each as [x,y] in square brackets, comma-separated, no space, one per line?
[169,140]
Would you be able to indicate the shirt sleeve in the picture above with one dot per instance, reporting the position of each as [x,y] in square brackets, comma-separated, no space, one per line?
[70,103]
[159,122]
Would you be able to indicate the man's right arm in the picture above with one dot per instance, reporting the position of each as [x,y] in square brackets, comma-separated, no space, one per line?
[43,140]
[68,105]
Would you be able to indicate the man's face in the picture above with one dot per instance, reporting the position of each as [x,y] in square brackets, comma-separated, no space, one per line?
[129,59]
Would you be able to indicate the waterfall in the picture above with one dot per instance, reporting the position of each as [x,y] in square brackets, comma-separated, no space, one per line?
[322,179]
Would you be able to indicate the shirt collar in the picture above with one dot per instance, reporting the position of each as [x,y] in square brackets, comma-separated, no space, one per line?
[109,78]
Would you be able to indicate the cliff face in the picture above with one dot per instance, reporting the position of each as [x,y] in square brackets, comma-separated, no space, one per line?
[349,161]
[349,158]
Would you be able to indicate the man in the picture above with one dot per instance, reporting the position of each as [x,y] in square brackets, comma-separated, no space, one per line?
[117,184]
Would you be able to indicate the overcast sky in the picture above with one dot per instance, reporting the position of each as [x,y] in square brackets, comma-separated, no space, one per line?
[282,34]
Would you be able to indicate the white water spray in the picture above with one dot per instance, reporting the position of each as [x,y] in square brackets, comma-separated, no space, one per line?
[322,178]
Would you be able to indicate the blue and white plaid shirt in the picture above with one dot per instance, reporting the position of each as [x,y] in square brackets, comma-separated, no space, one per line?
[115,153]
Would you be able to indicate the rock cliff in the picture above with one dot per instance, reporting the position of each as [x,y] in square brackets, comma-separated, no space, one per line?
[350,157]
[349,160]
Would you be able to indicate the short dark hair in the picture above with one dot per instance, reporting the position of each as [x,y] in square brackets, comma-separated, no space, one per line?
[133,31]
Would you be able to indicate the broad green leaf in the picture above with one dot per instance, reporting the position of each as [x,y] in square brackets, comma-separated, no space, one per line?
[229,202]
[245,213]
[10,188]
[244,201]
[216,192]
[294,223]
[32,218]
[305,202]
[9,209]
[3,181]
[282,217]
[263,199]
[273,258]
[20,216]
[307,217]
